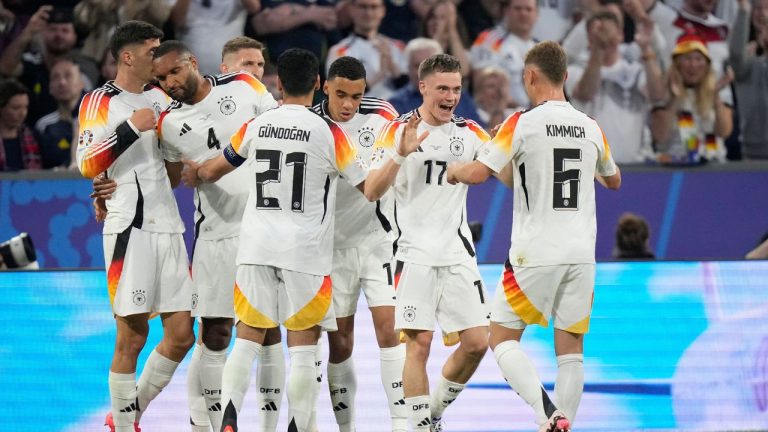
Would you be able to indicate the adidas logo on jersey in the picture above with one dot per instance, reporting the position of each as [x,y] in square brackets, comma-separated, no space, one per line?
[271,406]
[184,129]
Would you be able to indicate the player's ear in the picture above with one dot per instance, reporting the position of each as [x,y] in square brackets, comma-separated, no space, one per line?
[223,68]
[193,61]
[422,87]
[325,87]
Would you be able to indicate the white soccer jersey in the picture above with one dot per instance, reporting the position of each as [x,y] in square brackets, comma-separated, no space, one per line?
[365,50]
[430,214]
[498,47]
[108,142]
[359,221]
[295,157]
[557,150]
[555,19]
[200,132]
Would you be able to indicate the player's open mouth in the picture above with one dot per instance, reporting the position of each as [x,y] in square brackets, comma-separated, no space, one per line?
[445,108]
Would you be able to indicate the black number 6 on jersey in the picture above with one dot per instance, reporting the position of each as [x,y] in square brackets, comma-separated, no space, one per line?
[565,188]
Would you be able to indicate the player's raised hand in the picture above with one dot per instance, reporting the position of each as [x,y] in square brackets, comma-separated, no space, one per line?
[410,141]
[144,119]
[103,187]
[189,173]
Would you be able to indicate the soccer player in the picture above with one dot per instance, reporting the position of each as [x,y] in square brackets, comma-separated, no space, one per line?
[147,266]
[286,247]
[362,252]
[436,273]
[555,151]
[205,109]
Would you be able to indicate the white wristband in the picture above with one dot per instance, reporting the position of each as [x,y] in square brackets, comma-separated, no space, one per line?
[397,158]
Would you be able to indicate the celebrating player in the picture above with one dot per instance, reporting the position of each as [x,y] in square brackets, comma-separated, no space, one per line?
[436,273]
[147,266]
[362,252]
[556,150]
[284,257]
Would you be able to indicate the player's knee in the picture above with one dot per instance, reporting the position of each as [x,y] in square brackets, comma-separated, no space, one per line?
[131,345]
[417,348]
[272,336]
[217,337]
[182,341]
[475,347]
[340,346]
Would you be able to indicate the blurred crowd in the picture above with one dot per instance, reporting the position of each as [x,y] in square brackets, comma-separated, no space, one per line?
[680,82]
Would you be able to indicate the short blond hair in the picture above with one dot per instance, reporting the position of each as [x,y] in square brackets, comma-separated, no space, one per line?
[241,42]
[550,58]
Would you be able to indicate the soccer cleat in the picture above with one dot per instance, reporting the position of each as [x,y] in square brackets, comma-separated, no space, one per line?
[437,425]
[557,423]
[110,423]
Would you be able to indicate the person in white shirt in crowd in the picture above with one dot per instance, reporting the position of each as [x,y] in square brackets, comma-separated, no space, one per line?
[556,18]
[491,93]
[506,44]
[384,58]
[206,25]
[614,91]
[442,25]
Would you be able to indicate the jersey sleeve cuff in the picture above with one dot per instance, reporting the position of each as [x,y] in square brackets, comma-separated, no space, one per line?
[489,164]
[232,157]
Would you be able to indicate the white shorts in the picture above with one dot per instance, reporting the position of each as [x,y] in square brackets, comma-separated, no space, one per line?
[454,295]
[530,295]
[366,269]
[213,276]
[147,272]
[266,296]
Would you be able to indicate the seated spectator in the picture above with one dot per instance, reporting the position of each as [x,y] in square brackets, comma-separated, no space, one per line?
[98,19]
[506,44]
[409,97]
[632,235]
[285,24]
[491,92]
[383,58]
[479,15]
[693,125]
[207,25]
[401,20]
[107,68]
[442,25]
[751,75]
[54,130]
[18,148]
[614,91]
[33,68]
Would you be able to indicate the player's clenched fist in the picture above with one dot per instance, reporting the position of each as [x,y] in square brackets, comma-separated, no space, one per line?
[143,119]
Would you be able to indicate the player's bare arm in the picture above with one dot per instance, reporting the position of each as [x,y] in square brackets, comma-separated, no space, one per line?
[211,170]
[174,172]
[470,173]
[379,180]
[611,182]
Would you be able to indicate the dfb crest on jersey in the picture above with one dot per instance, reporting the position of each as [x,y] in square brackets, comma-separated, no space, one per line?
[158,109]
[366,137]
[409,314]
[139,297]
[194,301]
[86,138]
[226,105]
[457,146]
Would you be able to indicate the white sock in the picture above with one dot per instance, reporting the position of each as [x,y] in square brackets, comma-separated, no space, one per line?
[122,392]
[157,373]
[198,414]
[302,391]
[211,371]
[271,377]
[319,379]
[520,374]
[236,377]
[392,361]
[418,413]
[570,383]
[342,383]
[443,395]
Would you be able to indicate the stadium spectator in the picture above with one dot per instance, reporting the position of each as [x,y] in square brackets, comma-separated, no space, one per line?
[632,235]
[409,97]
[18,147]
[616,92]
[207,24]
[631,14]
[282,25]
[750,67]
[98,19]
[55,130]
[107,68]
[442,25]
[491,93]
[556,18]
[404,17]
[383,57]
[32,67]
[506,44]
[691,128]
[479,15]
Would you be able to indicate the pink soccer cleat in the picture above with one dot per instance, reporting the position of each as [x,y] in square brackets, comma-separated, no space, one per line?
[110,423]
[557,423]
